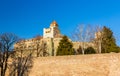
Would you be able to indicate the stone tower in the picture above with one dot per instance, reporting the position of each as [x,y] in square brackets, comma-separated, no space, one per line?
[52,31]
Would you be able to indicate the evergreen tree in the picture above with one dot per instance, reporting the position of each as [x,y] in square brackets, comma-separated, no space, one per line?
[65,47]
[108,41]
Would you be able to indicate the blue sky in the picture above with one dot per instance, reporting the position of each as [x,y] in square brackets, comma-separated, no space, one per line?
[27,18]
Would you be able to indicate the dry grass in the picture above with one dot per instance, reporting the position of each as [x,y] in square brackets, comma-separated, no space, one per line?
[87,65]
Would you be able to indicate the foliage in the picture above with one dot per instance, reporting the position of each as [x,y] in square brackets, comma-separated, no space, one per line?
[90,50]
[108,41]
[65,47]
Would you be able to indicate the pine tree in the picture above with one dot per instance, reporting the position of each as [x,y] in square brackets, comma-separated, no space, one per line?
[108,41]
[65,47]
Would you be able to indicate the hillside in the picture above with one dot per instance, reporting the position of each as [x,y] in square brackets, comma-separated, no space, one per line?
[80,65]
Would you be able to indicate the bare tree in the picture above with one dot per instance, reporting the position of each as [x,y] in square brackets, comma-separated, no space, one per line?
[37,41]
[44,51]
[98,38]
[22,60]
[6,44]
[40,46]
[83,34]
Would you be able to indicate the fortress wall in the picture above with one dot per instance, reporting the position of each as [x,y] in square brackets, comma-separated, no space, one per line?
[80,65]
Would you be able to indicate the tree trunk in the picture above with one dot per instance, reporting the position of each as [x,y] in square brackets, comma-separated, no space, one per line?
[100,46]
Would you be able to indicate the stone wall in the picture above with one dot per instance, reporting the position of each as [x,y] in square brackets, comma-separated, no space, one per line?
[78,65]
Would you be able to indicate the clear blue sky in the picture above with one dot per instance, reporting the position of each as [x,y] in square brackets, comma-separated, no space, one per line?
[27,18]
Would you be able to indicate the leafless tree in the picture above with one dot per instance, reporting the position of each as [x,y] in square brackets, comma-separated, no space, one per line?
[83,34]
[98,38]
[37,41]
[43,49]
[6,44]
[21,60]
[40,46]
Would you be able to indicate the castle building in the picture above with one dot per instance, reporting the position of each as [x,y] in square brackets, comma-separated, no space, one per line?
[52,31]
[49,41]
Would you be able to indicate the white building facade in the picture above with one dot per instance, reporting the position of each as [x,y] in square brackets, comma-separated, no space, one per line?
[52,31]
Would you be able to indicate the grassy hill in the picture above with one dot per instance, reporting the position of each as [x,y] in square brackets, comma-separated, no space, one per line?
[78,65]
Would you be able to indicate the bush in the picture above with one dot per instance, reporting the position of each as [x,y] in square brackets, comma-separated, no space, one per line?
[90,50]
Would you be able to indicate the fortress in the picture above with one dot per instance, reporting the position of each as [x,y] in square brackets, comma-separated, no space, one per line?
[49,41]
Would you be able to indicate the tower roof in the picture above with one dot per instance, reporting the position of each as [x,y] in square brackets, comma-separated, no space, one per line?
[54,23]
